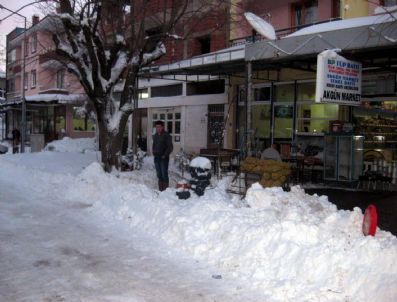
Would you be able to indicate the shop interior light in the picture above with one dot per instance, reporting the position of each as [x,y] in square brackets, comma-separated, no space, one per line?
[356,137]
[379,138]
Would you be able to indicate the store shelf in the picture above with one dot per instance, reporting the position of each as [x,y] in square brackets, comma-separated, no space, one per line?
[310,133]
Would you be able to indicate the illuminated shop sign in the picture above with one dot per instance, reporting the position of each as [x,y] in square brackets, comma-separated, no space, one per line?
[338,79]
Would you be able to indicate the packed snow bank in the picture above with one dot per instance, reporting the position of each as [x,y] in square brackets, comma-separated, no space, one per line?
[76,145]
[292,246]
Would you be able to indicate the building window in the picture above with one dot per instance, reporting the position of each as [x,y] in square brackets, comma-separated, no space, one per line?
[12,55]
[26,81]
[81,120]
[204,44]
[34,43]
[165,91]
[33,77]
[335,8]
[60,78]
[388,3]
[304,12]
[153,36]
[11,85]
[143,94]
[207,87]
[26,50]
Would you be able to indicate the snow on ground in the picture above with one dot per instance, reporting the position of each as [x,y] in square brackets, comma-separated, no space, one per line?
[282,246]
[68,144]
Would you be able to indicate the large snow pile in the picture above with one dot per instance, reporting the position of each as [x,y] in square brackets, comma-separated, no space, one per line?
[290,245]
[68,144]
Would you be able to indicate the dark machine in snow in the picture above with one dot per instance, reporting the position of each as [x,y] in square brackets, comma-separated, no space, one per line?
[200,170]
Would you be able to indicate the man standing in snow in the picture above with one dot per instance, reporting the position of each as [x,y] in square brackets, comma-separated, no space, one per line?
[162,148]
[16,137]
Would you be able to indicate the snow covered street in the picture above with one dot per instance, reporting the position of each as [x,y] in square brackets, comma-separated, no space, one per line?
[71,232]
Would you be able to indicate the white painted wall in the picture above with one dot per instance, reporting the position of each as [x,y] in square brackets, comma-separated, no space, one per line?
[196,124]
[191,100]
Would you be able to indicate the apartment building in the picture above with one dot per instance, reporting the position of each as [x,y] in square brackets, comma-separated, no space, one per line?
[53,96]
[280,77]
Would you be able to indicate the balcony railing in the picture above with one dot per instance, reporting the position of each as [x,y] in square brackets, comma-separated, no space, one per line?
[280,33]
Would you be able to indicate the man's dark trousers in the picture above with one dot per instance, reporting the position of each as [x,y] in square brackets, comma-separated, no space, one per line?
[161,164]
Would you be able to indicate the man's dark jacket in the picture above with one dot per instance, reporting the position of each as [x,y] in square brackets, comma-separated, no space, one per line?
[162,144]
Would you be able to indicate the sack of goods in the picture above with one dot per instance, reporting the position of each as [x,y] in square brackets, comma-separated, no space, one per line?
[274,173]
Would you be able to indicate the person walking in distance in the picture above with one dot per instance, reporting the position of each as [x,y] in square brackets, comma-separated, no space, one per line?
[16,138]
[162,148]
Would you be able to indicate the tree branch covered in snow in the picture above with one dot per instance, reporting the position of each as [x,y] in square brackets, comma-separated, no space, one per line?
[106,43]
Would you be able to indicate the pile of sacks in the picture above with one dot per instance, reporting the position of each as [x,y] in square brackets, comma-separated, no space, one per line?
[274,173]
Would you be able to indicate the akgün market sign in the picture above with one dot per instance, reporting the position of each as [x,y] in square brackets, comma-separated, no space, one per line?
[338,79]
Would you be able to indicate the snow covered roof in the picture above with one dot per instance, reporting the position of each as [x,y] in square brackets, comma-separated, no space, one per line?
[343,24]
[60,98]
[359,35]
[200,64]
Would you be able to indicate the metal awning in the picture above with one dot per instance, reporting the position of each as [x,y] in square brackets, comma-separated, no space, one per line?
[366,41]
[222,62]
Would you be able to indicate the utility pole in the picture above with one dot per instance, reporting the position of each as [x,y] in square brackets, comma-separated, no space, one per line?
[23,122]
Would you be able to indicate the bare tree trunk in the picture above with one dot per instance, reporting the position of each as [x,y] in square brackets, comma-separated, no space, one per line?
[111,142]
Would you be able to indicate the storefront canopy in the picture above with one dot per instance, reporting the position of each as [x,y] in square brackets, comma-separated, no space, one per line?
[365,39]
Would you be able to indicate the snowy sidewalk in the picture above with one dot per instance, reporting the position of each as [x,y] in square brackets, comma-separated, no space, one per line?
[56,251]
[71,232]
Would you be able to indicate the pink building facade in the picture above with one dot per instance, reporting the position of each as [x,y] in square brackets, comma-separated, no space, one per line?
[53,96]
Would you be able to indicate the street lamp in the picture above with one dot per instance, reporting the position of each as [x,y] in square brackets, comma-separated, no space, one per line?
[23,124]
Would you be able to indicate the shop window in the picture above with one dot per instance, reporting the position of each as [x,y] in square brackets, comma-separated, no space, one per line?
[60,123]
[315,118]
[307,91]
[60,79]
[81,121]
[312,117]
[165,91]
[33,46]
[285,93]
[304,12]
[33,78]
[263,94]
[208,87]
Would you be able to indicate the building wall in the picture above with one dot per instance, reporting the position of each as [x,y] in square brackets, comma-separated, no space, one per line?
[278,13]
